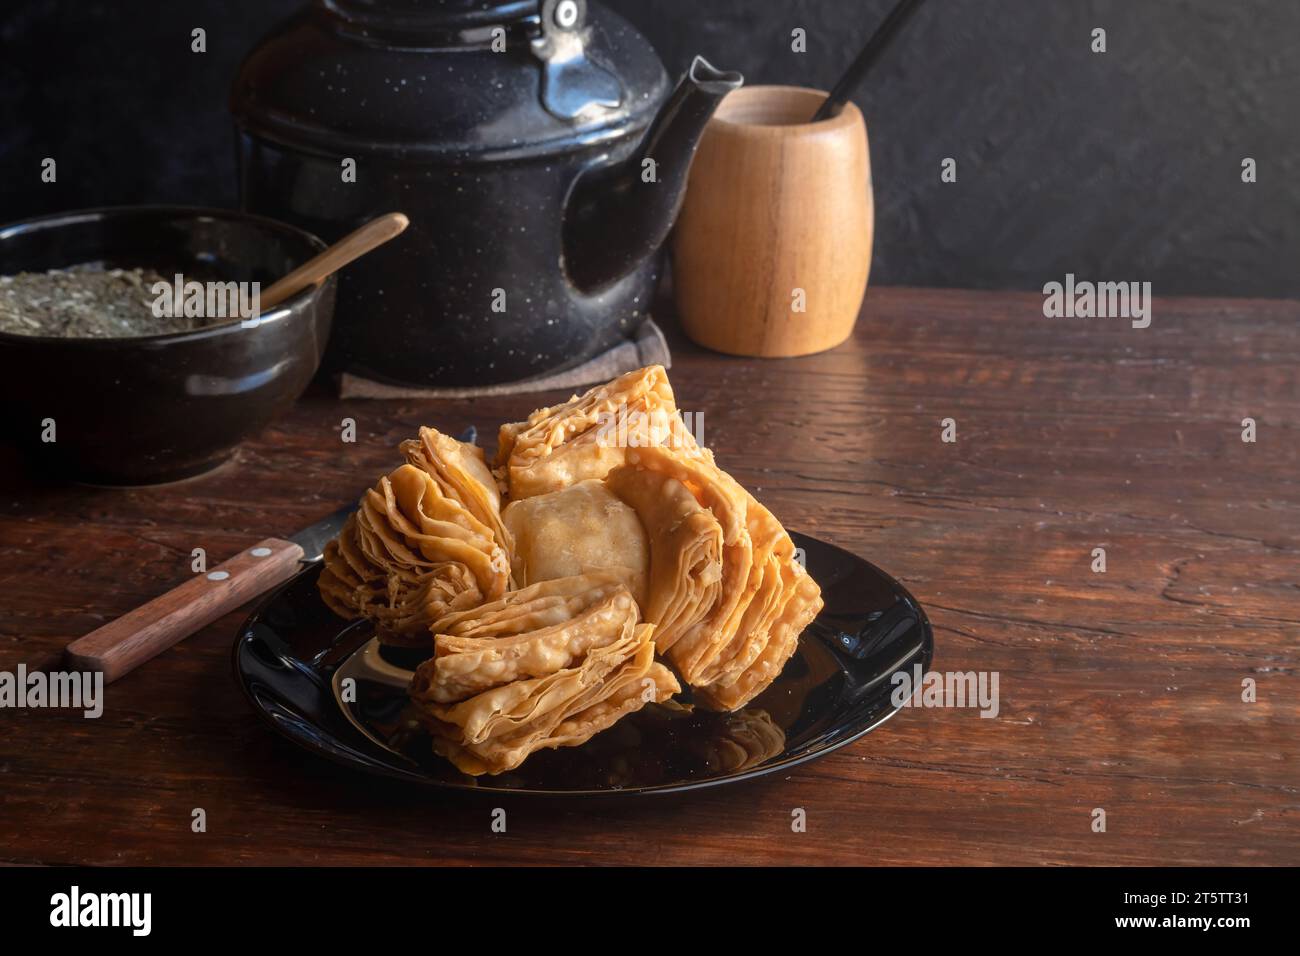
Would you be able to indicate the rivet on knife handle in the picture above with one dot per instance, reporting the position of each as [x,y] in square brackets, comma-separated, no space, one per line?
[122,645]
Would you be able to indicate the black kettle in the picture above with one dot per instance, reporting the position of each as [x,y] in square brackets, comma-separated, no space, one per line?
[537,152]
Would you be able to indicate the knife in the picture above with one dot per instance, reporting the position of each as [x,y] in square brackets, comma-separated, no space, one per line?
[122,645]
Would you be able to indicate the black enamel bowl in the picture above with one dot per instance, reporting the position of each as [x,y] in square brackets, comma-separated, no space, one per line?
[132,411]
[293,656]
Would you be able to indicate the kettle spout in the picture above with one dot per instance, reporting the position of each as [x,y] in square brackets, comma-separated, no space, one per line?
[617,217]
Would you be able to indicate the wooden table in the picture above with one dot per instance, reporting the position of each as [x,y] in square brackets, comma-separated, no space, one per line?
[1120,690]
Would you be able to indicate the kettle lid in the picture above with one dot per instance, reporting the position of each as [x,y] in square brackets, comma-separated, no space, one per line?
[449,79]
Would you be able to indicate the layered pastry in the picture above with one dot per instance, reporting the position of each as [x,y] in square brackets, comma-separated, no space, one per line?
[546,666]
[461,473]
[728,597]
[605,561]
[587,435]
[416,547]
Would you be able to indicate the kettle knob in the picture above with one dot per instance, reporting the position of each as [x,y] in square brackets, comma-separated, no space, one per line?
[574,87]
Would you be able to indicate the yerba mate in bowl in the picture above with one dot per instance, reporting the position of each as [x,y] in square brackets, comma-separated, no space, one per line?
[171,403]
[89,301]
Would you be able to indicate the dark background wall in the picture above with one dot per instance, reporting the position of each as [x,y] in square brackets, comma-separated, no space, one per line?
[1123,166]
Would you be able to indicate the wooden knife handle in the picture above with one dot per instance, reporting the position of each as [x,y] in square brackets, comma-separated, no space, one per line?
[120,646]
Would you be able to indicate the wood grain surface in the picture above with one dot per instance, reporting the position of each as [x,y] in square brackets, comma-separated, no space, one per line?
[1120,690]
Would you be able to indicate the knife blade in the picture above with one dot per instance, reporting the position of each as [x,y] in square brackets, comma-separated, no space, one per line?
[313,538]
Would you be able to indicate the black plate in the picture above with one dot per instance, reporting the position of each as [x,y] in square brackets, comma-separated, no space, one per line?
[836,688]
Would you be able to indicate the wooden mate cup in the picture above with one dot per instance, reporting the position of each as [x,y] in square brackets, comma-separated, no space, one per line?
[773,245]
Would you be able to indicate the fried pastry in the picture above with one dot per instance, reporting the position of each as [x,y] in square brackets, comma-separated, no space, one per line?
[729,641]
[771,571]
[635,682]
[401,603]
[620,537]
[410,554]
[799,607]
[461,471]
[587,435]
[531,632]
[697,645]
[582,528]
[546,666]
[685,541]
